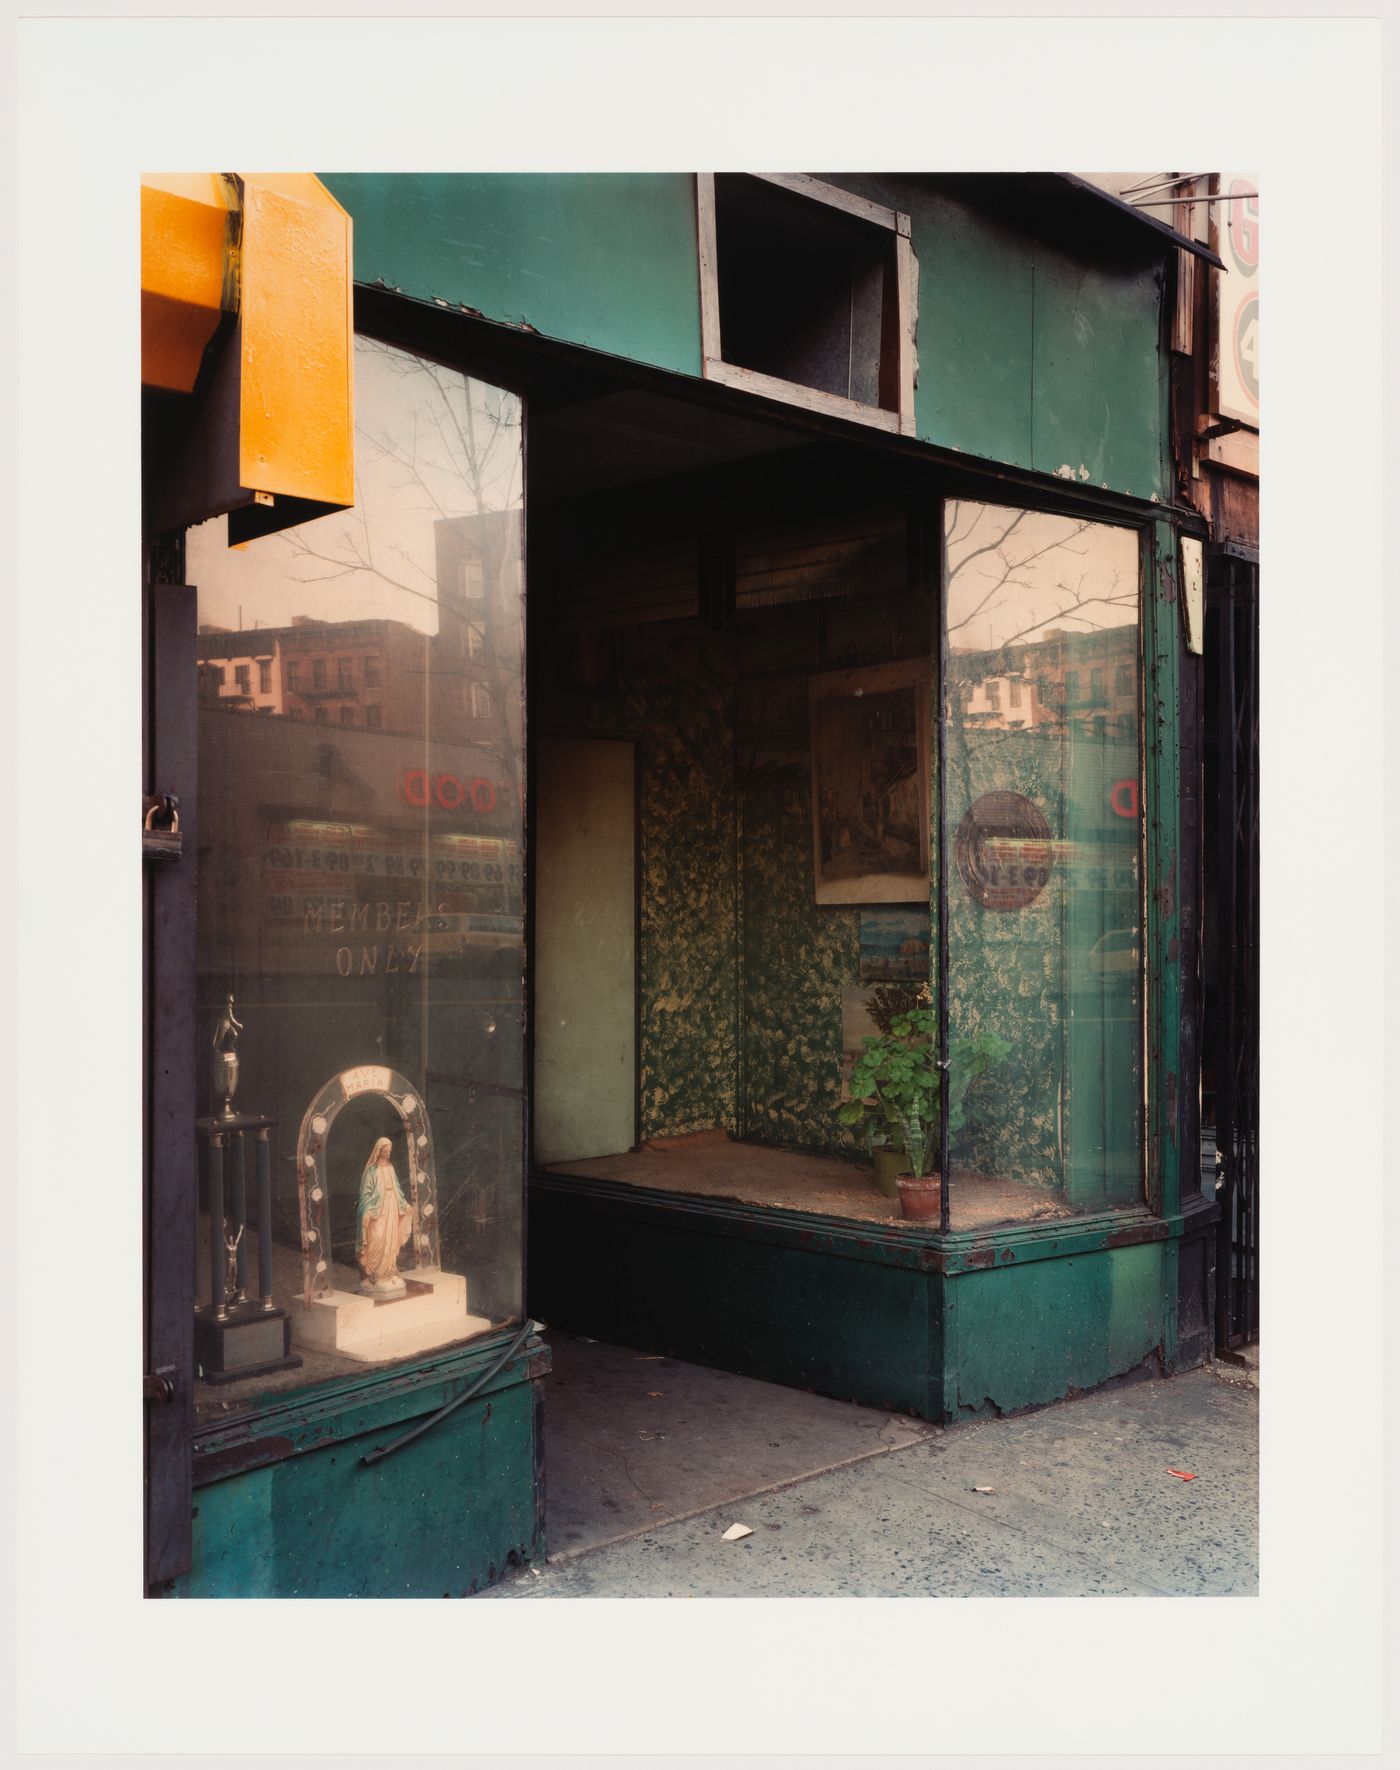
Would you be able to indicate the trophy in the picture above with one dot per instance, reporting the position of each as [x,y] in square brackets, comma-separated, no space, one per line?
[238,1334]
[226,1059]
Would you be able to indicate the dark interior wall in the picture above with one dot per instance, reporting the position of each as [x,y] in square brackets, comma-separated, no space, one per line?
[741,970]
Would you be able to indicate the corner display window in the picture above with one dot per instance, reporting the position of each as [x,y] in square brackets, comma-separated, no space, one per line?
[1045,917]
[360,944]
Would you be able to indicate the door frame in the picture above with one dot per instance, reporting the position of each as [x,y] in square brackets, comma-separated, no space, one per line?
[169,1199]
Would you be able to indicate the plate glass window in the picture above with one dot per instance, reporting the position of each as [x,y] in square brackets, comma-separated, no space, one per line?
[1043,822]
[361,893]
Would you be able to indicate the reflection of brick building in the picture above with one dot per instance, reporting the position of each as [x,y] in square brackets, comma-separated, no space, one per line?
[382,675]
[1089,679]
[368,674]
[242,670]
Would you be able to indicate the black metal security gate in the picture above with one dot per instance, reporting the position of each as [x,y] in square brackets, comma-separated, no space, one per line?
[1230,1023]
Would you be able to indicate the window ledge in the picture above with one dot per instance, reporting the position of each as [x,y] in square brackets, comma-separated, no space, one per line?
[287,1424]
[914,1245]
[810,399]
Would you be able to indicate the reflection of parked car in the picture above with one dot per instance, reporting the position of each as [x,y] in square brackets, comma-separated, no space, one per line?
[1115,953]
[495,942]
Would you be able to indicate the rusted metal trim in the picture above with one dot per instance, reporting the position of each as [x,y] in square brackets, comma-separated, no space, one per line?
[347,1408]
[240,1459]
[1023,1246]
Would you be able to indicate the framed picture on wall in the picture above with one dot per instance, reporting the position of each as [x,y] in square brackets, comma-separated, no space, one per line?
[870,783]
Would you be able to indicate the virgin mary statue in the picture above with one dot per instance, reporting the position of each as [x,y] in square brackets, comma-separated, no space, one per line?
[383,1224]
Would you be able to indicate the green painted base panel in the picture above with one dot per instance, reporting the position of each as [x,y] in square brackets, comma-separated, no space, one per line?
[444,1517]
[717,1296]
[1027,1334]
[828,1306]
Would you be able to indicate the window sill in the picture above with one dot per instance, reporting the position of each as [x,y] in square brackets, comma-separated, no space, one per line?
[907,1244]
[810,399]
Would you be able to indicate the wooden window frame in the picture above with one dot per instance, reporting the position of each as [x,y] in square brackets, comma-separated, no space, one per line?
[713,365]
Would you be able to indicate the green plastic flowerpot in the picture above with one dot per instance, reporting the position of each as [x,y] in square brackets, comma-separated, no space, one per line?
[889,1164]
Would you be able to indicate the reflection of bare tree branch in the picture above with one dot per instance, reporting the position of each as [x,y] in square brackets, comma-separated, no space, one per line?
[302,550]
[465,461]
[991,546]
[1011,578]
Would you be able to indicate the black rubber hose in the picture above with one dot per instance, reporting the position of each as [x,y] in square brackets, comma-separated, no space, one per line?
[385,1450]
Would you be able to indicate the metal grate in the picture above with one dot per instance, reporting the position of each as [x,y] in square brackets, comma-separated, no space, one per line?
[1233,584]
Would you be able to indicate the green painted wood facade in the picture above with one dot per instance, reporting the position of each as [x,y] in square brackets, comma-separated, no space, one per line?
[609,261]
[1036,350]
[285,1507]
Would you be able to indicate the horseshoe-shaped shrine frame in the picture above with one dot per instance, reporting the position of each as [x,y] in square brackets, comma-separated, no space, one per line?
[313,1192]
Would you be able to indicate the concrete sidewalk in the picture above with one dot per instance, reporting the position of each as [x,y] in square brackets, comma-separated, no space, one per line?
[1082,1503]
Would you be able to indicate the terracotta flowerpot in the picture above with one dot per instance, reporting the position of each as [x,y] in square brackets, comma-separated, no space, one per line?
[918,1196]
[889,1165]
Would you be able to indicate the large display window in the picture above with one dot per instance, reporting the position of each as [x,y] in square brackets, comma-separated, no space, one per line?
[743,865]
[360,945]
[1043,822]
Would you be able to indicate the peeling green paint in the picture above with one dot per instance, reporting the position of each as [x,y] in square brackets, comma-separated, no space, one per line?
[444,1516]
[608,260]
[1030,1334]
[1042,352]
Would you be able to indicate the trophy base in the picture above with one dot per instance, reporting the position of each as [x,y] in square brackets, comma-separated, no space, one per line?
[431,1311]
[249,1341]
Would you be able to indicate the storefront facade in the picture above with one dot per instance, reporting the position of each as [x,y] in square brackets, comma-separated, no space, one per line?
[757,627]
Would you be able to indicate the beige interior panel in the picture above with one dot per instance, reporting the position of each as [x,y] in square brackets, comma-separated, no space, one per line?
[585,949]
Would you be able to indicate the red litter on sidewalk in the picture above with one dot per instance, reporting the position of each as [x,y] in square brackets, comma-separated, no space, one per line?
[1181,1474]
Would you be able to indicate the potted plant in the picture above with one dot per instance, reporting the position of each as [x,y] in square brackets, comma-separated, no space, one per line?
[884,1132]
[894,1093]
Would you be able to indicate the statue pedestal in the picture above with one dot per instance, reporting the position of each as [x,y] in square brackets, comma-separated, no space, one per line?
[432,1311]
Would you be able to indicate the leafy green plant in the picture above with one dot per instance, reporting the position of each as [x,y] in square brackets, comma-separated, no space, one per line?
[894,1083]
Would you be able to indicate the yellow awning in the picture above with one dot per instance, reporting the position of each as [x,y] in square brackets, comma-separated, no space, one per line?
[247,306]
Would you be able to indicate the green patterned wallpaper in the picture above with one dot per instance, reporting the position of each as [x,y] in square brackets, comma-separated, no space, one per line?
[741,971]
[797,956]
